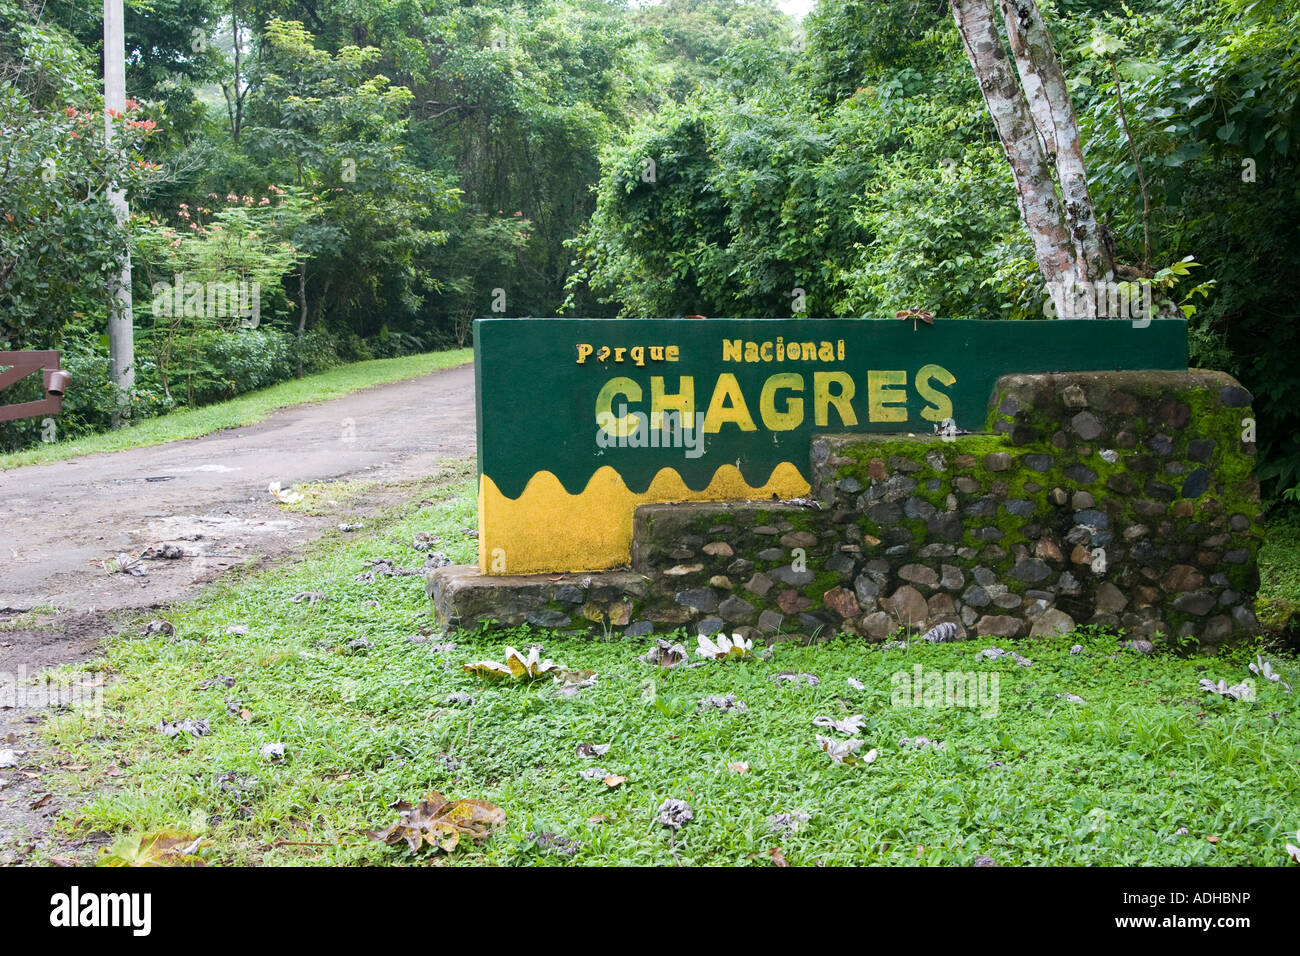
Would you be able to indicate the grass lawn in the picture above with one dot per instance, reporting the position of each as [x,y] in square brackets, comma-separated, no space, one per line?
[247,409]
[1278,604]
[1110,780]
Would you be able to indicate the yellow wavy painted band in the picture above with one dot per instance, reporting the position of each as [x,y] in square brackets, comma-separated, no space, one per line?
[548,529]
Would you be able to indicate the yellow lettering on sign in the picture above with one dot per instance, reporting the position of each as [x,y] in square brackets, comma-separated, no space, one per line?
[612,425]
[683,402]
[637,354]
[751,351]
[584,350]
[736,413]
[940,406]
[670,353]
[823,398]
[826,353]
[885,390]
[792,417]
[732,349]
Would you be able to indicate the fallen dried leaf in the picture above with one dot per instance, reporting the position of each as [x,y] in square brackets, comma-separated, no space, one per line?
[570,682]
[725,704]
[1264,669]
[555,842]
[787,823]
[674,813]
[993,653]
[724,648]
[284,496]
[516,666]
[845,751]
[162,552]
[441,823]
[160,848]
[1242,691]
[941,633]
[665,654]
[195,728]
[125,564]
[777,856]
[849,725]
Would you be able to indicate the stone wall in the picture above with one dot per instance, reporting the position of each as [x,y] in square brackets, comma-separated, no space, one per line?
[1125,499]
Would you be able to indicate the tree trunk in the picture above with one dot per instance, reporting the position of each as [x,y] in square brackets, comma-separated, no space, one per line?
[121,323]
[302,310]
[1053,112]
[1039,131]
[239,96]
[1007,105]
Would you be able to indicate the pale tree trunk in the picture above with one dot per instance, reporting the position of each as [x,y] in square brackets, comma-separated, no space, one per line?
[1035,121]
[1035,188]
[121,323]
[302,310]
[1053,112]
[236,92]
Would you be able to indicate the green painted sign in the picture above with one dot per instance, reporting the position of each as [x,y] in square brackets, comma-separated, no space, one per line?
[568,396]
[582,420]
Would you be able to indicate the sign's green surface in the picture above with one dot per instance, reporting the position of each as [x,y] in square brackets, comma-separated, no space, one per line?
[568,396]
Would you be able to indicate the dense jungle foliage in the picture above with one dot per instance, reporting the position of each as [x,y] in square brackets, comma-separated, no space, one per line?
[387,170]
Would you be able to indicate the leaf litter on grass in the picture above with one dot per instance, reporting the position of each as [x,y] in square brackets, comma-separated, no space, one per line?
[1142,710]
[440,823]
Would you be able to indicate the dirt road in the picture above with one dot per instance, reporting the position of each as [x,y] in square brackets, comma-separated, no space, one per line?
[207,497]
[60,522]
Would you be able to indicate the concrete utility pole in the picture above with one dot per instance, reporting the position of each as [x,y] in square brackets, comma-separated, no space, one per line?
[121,332]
